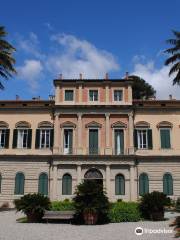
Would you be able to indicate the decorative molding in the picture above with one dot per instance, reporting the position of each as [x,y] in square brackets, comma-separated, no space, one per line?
[23,124]
[45,124]
[119,124]
[164,124]
[3,124]
[142,124]
[93,124]
[68,124]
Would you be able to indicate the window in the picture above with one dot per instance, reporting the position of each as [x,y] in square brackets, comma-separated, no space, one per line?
[67,184]
[4,138]
[119,141]
[0,183]
[69,95]
[44,138]
[44,135]
[118,95]
[143,138]
[165,138]
[22,136]
[68,141]
[19,184]
[119,185]
[168,184]
[93,95]
[143,184]
[93,141]
[43,184]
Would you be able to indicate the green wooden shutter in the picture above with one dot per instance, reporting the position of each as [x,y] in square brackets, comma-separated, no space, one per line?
[67,185]
[7,131]
[15,132]
[0,183]
[43,184]
[165,138]
[70,132]
[29,138]
[122,141]
[93,141]
[37,142]
[150,143]
[19,184]
[167,184]
[135,139]
[51,138]
[119,185]
[143,184]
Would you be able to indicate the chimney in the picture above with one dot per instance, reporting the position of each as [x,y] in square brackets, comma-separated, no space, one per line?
[127,75]
[106,76]
[80,76]
[170,97]
[60,76]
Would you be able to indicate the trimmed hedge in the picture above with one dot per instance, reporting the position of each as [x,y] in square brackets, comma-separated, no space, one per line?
[65,205]
[124,212]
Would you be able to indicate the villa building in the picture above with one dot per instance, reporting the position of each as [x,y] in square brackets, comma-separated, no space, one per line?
[93,129]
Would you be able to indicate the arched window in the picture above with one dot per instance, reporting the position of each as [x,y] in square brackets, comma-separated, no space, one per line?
[44,135]
[43,184]
[0,182]
[143,184]
[67,184]
[119,185]
[19,184]
[167,184]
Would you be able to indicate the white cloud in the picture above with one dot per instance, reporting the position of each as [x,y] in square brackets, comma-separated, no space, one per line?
[31,72]
[158,78]
[76,56]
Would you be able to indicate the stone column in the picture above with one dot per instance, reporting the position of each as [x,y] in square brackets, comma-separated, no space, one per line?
[79,134]
[78,174]
[132,183]
[55,176]
[108,181]
[56,135]
[107,149]
[131,131]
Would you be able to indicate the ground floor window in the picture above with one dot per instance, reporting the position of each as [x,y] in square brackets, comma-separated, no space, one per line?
[19,184]
[168,184]
[43,184]
[143,184]
[119,185]
[67,184]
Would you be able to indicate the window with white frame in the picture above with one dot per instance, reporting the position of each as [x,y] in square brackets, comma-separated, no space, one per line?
[93,95]
[68,141]
[69,95]
[44,138]
[2,138]
[22,138]
[142,137]
[118,95]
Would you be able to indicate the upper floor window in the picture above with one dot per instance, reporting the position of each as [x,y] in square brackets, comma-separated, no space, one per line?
[44,135]
[142,136]
[69,95]
[4,135]
[165,138]
[93,95]
[118,95]
[68,141]
[22,135]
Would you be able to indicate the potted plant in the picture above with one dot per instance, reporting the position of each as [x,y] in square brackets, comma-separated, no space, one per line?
[152,205]
[91,204]
[33,206]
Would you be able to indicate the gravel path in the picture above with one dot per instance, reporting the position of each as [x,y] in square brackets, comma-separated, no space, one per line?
[11,230]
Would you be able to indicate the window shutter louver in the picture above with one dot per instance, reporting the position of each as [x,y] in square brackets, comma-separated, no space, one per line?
[15,138]
[19,184]
[67,185]
[119,185]
[150,143]
[135,139]
[43,184]
[37,142]
[29,138]
[143,184]
[51,138]
[7,138]
[168,184]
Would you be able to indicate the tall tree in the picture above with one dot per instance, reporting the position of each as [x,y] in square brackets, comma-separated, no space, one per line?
[141,89]
[6,59]
[174,59]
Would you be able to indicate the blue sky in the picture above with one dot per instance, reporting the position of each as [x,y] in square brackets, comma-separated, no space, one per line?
[91,37]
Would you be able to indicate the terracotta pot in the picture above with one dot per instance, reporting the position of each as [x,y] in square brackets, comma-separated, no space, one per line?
[90,217]
[157,216]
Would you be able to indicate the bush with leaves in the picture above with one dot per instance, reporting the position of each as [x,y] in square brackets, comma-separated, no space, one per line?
[124,212]
[152,205]
[178,205]
[90,196]
[33,206]
[65,205]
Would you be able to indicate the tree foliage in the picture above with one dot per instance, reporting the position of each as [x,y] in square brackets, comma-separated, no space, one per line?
[6,59]
[174,59]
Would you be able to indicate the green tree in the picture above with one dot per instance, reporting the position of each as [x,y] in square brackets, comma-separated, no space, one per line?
[141,89]
[174,58]
[6,59]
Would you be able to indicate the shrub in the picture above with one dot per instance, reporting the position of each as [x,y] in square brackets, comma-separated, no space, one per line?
[152,205]
[178,205]
[91,200]
[33,205]
[124,212]
[65,205]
